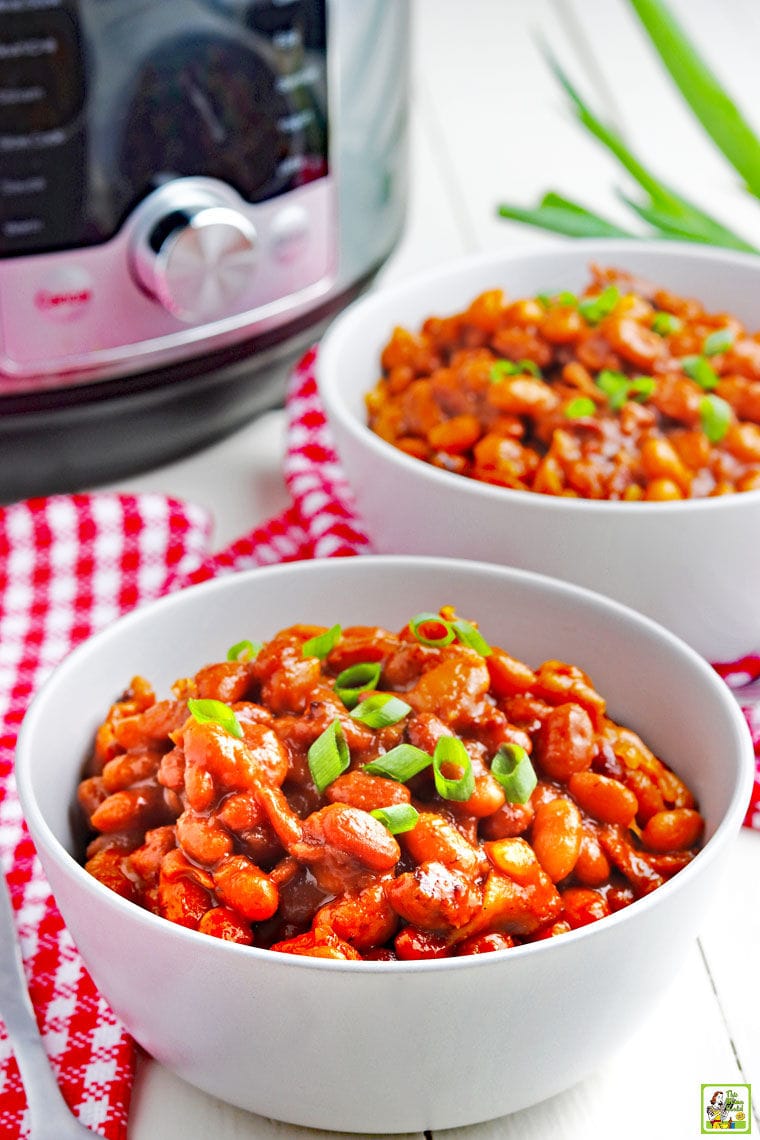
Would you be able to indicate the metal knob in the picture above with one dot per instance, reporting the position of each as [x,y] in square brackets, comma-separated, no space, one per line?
[195,257]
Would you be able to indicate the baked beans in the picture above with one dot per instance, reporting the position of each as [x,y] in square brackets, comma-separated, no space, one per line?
[359,793]
[625,391]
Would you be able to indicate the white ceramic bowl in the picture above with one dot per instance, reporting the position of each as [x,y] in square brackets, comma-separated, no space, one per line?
[692,565]
[377,1047]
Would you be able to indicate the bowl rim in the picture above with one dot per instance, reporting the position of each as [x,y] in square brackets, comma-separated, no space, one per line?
[43,836]
[364,308]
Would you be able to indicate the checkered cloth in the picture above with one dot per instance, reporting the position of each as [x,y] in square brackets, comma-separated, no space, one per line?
[70,566]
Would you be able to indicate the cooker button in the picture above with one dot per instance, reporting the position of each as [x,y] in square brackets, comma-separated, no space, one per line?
[197,261]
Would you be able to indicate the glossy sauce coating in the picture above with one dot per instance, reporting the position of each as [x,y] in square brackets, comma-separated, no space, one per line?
[230,835]
[626,392]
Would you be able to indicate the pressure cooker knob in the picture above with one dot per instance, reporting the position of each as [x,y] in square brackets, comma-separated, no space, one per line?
[196,258]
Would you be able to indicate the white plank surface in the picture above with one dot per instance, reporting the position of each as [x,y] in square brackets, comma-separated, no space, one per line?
[490,124]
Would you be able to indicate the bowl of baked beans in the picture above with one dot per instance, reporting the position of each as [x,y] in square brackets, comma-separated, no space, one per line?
[317,829]
[588,410]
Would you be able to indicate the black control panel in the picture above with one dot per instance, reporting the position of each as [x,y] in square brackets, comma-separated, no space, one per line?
[103,101]
[43,91]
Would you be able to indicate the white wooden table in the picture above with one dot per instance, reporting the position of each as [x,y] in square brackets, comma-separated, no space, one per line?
[489,123]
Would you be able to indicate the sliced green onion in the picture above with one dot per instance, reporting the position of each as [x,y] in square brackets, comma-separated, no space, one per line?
[569,300]
[328,756]
[380,710]
[701,371]
[471,637]
[502,368]
[243,650]
[513,769]
[401,763]
[666,323]
[718,341]
[450,750]
[322,644]
[618,388]
[207,711]
[615,387]
[355,680]
[715,415]
[445,633]
[397,817]
[595,309]
[580,407]
[641,387]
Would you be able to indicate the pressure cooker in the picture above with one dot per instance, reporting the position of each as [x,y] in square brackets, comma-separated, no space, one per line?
[189,191]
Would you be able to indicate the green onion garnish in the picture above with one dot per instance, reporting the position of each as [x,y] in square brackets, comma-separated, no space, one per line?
[471,637]
[513,769]
[397,817]
[322,644]
[615,387]
[401,763]
[328,756]
[243,650]
[450,750]
[618,388]
[595,309]
[718,341]
[701,371]
[444,634]
[357,679]
[502,368]
[715,415]
[666,323]
[565,298]
[208,711]
[641,387]
[580,407]
[380,710]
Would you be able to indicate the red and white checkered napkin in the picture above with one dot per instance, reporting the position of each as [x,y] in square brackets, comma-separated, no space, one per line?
[69,565]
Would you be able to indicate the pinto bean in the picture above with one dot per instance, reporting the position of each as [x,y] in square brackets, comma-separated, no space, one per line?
[556,836]
[672,830]
[434,897]
[603,798]
[242,885]
[565,742]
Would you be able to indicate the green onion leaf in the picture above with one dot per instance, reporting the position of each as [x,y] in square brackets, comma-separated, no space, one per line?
[580,407]
[701,371]
[322,644]
[439,630]
[397,817]
[718,341]
[570,219]
[712,105]
[243,650]
[208,711]
[715,415]
[380,710]
[502,368]
[666,323]
[450,750]
[357,679]
[669,212]
[401,763]
[328,756]
[595,309]
[513,769]
[471,637]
